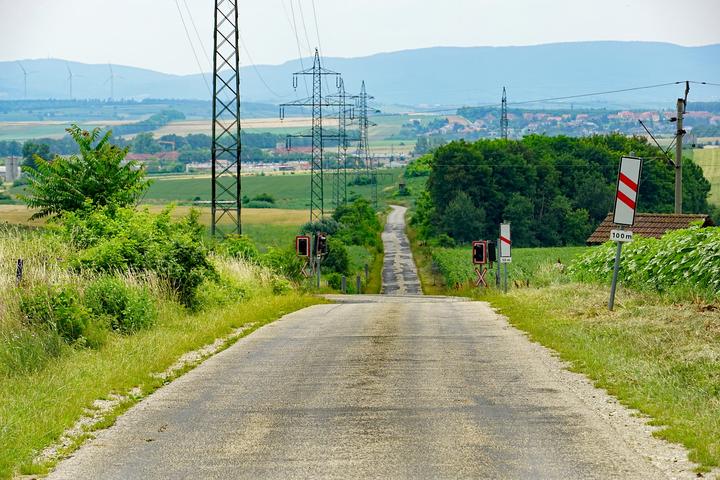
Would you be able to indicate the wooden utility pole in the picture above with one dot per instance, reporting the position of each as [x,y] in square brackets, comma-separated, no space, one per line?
[678,154]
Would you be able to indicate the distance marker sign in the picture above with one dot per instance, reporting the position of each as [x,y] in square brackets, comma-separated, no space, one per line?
[627,191]
[505,243]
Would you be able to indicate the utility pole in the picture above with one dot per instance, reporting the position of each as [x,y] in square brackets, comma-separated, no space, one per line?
[504,117]
[226,140]
[681,105]
[316,102]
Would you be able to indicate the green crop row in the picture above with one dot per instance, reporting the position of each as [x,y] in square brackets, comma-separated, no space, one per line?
[686,261]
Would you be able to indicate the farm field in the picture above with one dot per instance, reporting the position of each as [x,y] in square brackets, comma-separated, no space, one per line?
[452,266]
[709,160]
[289,191]
[265,226]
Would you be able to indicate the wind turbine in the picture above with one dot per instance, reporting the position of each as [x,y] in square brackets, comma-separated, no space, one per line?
[26,74]
[111,79]
[70,79]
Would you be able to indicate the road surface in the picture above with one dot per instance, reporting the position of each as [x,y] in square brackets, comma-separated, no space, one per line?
[369,387]
[399,274]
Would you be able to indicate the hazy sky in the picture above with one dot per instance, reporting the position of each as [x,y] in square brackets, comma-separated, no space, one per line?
[150,34]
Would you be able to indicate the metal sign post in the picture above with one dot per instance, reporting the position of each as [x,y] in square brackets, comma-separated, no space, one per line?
[625,207]
[505,252]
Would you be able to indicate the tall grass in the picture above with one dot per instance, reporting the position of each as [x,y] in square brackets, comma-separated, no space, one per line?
[48,379]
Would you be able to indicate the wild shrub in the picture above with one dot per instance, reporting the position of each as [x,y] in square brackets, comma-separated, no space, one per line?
[128,309]
[126,240]
[338,258]
[239,246]
[283,262]
[61,310]
[334,281]
[358,224]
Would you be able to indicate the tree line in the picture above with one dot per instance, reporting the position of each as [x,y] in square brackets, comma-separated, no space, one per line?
[554,190]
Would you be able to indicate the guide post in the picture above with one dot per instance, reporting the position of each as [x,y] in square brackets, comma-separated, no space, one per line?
[625,206]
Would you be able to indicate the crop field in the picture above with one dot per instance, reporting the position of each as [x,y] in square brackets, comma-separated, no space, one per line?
[454,265]
[266,226]
[289,191]
[709,160]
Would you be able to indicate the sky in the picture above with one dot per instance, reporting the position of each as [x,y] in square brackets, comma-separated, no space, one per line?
[150,33]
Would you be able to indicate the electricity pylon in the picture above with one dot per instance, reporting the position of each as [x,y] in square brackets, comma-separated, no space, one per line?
[504,117]
[363,149]
[317,101]
[226,142]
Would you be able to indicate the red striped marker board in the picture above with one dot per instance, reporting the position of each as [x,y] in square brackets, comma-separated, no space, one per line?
[627,190]
[505,244]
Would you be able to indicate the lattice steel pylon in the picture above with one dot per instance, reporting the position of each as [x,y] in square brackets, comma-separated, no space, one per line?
[226,142]
[345,115]
[317,102]
[363,150]
[504,117]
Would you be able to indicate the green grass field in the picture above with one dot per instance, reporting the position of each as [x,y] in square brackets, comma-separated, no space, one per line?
[709,160]
[454,265]
[289,191]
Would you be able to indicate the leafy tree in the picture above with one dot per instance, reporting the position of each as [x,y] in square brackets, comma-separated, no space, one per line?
[95,178]
[145,143]
[464,221]
[31,151]
[519,212]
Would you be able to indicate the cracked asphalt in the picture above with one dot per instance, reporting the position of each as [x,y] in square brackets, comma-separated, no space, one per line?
[387,386]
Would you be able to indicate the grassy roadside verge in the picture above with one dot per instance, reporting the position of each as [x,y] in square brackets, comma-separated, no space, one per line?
[660,358]
[655,355]
[36,409]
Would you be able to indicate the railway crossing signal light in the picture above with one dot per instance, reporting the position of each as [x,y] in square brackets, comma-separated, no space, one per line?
[491,252]
[321,247]
[302,246]
[479,252]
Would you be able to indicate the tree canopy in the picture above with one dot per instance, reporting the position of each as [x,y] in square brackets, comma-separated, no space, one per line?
[554,190]
[97,177]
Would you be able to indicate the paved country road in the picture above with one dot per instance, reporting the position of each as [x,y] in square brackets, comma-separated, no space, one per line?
[371,387]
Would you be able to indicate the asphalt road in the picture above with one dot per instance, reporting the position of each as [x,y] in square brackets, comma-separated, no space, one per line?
[369,387]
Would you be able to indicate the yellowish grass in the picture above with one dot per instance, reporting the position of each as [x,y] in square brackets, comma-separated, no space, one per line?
[203,126]
[20,215]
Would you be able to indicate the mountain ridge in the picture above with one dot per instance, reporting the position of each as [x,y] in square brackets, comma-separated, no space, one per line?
[435,76]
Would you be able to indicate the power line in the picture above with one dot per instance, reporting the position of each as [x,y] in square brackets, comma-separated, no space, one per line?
[257,70]
[317,27]
[297,41]
[302,17]
[192,47]
[567,97]
[202,44]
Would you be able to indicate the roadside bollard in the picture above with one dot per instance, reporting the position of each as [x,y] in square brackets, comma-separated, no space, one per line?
[367,272]
[343,284]
[19,271]
[358,283]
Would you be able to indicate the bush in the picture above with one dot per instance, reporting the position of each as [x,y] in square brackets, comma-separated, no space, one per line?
[239,246]
[264,197]
[128,309]
[283,262]
[358,224]
[61,310]
[334,281]
[259,204]
[326,225]
[337,259]
[126,240]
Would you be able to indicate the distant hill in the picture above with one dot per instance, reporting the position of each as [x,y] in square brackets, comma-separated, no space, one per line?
[445,76]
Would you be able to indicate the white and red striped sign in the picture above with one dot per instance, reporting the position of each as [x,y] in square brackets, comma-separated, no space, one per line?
[505,243]
[627,191]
